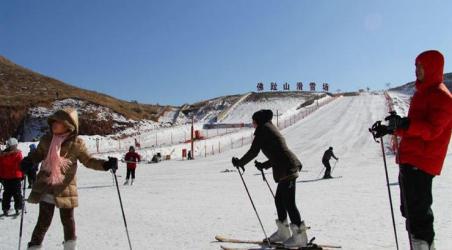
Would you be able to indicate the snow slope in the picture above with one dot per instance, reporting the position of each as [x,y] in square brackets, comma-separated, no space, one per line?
[184,204]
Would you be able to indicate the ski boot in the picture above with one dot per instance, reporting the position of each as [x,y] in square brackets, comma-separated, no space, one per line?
[70,245]
[131,183]
[299,237]
[34,247]
[421,244]
[126,182]
[282,234]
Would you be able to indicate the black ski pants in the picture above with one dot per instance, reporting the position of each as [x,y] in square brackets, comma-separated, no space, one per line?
[130,172]
[31,176]
[416,200]
[285,202]
[328,168]
[12,190]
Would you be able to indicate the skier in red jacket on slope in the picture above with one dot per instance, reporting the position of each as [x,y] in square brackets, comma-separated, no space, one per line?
[425,136]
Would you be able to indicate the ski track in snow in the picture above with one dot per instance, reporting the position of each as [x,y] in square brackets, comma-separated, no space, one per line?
[184,204]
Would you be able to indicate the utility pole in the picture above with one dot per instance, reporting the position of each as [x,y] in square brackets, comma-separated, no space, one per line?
[192,138]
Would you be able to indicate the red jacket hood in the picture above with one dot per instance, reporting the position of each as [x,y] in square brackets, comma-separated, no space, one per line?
[433,63]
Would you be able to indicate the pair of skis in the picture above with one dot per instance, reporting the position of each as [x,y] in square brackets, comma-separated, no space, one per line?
[265,246]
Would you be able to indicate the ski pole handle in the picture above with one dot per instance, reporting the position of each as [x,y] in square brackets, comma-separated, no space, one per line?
[263,175]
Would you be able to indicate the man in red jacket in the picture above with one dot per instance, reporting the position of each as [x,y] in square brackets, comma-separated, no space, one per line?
[425,136]
[131,159]
[11,176]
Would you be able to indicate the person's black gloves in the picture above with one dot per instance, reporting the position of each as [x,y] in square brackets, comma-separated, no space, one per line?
[26,164]
[381,130]
[111,164]
[396,122]
[236,163]
[259,165]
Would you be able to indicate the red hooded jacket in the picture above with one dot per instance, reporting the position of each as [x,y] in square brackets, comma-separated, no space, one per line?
[131,159]
[10,165]
[425,143]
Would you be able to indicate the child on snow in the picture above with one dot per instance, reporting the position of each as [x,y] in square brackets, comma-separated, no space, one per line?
[56,185]
[11,176]
[285,167]
[131,159]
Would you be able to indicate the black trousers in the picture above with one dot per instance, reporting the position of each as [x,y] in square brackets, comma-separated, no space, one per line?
[31,176]
[285,202]
[12,190]
[328,168]
[416,200]
[130,172]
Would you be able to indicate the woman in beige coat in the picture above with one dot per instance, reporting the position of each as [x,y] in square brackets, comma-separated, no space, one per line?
[56,184]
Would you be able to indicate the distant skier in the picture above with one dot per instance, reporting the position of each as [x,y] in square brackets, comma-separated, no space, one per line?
[31,174]
[11,176]
[56,185]
[425,136]
[131,159]
[285,167]
[326,162]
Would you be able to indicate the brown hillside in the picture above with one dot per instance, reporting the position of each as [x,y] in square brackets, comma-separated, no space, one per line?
[21,88]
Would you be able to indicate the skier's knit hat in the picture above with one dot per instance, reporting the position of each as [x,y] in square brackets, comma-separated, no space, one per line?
[263,116]
[131,148]
[12,142]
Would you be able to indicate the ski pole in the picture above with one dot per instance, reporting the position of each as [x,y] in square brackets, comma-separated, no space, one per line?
[402,189]
[372,130]
[268,185]
[122,208]
[254,207]
[334,166]
[389,192]
[113,178]
[22,213]
[321,171]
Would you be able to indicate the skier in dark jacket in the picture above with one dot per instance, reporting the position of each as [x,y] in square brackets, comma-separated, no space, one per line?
[425,136]
[326,162]
[31,173]
[285,167]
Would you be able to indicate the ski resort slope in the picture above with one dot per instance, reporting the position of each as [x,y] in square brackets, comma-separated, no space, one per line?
[184,204]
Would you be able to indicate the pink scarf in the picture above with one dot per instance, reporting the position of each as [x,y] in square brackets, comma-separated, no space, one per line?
[54,164]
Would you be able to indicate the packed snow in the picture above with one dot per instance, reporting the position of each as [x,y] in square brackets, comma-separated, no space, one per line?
[183,204]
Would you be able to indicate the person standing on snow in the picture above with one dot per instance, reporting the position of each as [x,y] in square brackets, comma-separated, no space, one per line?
[31,174]
[56,184]
[326,162]
[285,167]
[11,176]
[425,136]
[131,159]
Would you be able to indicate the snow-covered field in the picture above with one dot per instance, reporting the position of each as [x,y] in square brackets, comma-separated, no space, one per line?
[184,204]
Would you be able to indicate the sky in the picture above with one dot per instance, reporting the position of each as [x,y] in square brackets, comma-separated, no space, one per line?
[182,51]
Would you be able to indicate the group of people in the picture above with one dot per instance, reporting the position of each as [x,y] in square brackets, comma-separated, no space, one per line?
[425,135]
